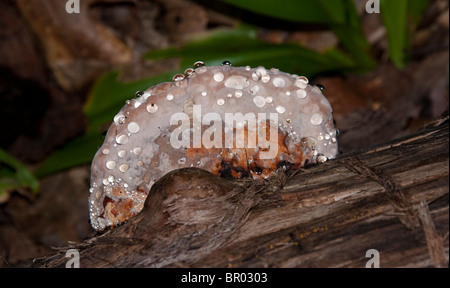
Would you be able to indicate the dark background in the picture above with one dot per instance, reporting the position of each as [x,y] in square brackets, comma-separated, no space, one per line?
[47,70]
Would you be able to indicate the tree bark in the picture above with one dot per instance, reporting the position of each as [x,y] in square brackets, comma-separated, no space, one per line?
[392,198]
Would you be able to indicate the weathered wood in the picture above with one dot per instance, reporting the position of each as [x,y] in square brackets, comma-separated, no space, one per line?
[392,198]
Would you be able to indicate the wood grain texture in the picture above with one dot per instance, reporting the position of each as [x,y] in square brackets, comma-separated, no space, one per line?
[392,198]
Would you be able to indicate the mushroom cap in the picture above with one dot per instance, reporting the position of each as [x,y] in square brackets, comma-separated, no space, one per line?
[232,121]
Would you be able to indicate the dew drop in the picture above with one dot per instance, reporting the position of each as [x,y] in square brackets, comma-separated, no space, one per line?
[238,94]
[280,109]
[137,151]
[188,72]
[259,101]
[301,93]
[111,179]
[204,93]
[119,119]
[269,99]
[121,138]
[133,127]
[321,158]
[265,78]
[201,69]
[111,164]
[178,78]
[137,103]
[105,151]
[218,77]
[321,87]
[260,71]
[237,82]
[227,63]
[301,82]
[146,95]
[123,168]
[122,153]
[182,161]
[316,119]
[279,82]
[139,94]
[140,163]
[254,90]
[198,64]
[169,97]
[220,102]
[152,108]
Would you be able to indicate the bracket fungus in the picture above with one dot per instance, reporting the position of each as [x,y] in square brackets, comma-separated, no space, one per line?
[232,121]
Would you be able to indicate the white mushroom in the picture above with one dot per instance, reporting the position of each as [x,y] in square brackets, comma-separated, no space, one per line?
[232,121]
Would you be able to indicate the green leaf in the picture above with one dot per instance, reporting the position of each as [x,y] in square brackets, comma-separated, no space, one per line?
[337,11]
[76,152]
[354,41]
[14,174]
[394,14]
[350,32]
[241,47]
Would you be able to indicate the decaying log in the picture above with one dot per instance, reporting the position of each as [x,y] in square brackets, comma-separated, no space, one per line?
[392,198]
